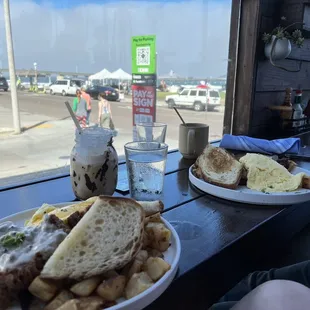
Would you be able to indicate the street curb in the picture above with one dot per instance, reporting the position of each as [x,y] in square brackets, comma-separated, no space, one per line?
[6,131]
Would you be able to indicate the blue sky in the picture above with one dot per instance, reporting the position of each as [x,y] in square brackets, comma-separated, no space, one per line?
[192,36]
[74,3]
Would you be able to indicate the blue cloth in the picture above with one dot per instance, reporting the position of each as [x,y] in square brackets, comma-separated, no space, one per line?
[247,144]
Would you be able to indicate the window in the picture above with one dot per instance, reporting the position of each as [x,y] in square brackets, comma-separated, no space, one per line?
[89,43]
[78,83]
[213,93]
[62,82]
[184,92]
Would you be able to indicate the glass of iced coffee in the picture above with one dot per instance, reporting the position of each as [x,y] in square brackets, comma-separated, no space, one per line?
[93,163]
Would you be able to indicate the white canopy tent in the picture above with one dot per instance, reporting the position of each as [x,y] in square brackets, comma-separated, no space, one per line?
[119,74]
[103,74]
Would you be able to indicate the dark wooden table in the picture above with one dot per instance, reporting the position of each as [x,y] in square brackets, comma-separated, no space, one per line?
[221,241]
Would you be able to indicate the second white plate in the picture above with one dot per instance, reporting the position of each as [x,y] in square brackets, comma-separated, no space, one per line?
[249,196]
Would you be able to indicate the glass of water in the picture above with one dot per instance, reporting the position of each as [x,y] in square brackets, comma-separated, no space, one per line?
[151,132]
[146,165]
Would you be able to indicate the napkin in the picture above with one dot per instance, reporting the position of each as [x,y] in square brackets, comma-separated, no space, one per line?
[247,144]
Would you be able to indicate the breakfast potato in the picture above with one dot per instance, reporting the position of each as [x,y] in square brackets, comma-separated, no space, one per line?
[142,256]
[72,304]
[158,235]
[156,267]
[43,289]
[85,287]
[59,300]
[133,267]
[146,240]
[110,274]
[154,253]
[112,289]
[91,303]
[137,284]
[155,218]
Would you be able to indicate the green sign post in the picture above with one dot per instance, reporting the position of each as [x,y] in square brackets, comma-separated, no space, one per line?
[143,51]
[144,80]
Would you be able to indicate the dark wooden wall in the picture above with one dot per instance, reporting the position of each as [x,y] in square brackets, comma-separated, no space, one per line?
[271,82]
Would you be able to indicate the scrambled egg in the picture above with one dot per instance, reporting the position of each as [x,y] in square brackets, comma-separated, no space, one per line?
[266,175]
[61,213]
[39,214]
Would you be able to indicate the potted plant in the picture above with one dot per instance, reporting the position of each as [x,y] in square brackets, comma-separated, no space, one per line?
[278,41]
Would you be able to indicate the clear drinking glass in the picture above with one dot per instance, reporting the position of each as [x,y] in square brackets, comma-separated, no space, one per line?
[146,165]
[151,132]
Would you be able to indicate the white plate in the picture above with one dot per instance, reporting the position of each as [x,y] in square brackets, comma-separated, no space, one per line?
[246,195]
[172,256]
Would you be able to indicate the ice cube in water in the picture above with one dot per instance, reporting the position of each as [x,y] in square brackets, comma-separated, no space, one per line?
[146,174]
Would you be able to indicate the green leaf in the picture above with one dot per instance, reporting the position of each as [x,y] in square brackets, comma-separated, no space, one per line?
[12,239]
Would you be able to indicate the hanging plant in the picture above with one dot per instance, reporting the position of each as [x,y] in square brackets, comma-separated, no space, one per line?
[278,43]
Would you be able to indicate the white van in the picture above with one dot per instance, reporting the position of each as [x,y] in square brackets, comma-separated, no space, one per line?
[195,98]
[65,87]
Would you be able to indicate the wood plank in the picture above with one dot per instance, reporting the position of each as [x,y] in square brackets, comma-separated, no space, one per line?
[206,227]
[270,8]
[213,223]
[261,112]
[302,53]
[270,78]
[177,191]
[267,24]
[212,259]
[33,196]
[232,66]
[246,66]
[293,10]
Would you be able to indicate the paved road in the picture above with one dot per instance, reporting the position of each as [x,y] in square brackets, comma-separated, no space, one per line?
[49,136]
[47,107]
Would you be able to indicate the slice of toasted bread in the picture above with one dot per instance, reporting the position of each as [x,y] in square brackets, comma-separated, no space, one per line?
[151,207]
[216,166]
[107,237]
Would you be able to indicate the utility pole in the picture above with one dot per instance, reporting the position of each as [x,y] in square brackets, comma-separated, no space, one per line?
[9,44]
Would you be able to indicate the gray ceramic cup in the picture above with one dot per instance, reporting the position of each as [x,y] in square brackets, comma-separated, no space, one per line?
[193,138]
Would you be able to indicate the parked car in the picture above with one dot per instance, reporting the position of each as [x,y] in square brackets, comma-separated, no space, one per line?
[111,93]
[66,86]
[4,84]
[174,88]
[194,98]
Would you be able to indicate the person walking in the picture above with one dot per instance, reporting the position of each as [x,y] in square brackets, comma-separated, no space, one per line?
[80,108]
[105,114]
[88,102]
[18,83]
